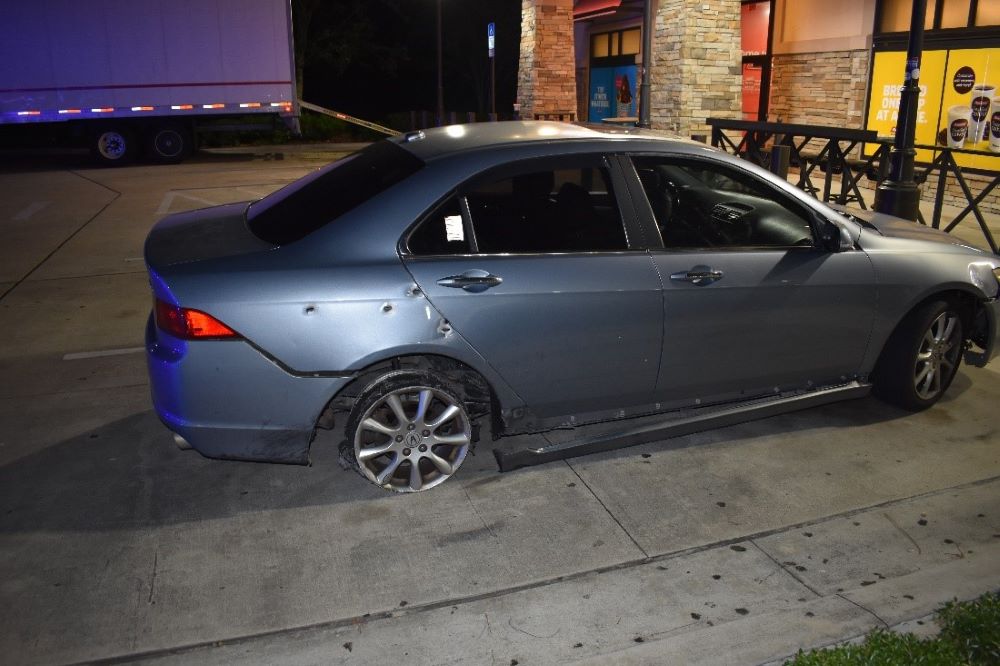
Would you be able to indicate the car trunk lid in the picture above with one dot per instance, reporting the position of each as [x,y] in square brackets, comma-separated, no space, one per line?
[197,235]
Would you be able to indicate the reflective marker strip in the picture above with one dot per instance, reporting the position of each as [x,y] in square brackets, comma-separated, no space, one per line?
[175,107]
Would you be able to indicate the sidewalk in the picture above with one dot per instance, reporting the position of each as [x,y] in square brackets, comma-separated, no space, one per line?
[753,600]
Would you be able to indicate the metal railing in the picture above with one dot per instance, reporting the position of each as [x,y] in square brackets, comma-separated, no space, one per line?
[835,146]
[945,165]
[756,141]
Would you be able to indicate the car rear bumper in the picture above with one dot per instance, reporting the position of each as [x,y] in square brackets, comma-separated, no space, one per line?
[229,401]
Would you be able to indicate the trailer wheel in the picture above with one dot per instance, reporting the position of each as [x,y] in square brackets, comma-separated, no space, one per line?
[113,146]
[168,144]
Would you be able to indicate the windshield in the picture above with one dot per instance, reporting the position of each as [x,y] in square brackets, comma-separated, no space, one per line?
[298,209]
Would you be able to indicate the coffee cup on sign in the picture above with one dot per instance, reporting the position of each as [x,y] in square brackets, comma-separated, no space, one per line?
[995,132]
[958,125]
[982,107]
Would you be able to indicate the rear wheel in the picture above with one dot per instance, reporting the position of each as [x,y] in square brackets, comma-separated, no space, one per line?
[409,431]
[921,357]
[169,143]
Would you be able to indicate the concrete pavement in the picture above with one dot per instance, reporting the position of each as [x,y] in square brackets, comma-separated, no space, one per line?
[738,602]
[115,545]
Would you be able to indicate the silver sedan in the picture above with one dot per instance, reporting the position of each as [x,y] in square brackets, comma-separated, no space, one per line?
[532,275]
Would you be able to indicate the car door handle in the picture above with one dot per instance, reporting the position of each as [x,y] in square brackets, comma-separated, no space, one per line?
[475,281]
[699,275]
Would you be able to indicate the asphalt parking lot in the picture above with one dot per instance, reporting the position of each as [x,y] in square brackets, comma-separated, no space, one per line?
[739,545]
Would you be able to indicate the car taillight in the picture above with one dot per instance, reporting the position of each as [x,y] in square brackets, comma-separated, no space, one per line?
[189,324]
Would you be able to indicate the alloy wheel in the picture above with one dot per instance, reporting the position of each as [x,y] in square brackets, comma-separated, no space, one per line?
[412,439]
[937,357]
[112,145]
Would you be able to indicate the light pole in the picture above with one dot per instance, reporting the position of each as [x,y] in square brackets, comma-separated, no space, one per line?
[899,194]
[440,95]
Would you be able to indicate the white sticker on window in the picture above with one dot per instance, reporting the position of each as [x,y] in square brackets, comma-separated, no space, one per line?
[453,228]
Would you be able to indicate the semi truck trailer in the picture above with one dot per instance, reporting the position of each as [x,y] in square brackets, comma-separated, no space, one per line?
[144,78]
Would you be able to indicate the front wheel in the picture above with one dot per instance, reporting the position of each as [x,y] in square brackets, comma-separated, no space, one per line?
[921,358]
[113,146]
[409,431]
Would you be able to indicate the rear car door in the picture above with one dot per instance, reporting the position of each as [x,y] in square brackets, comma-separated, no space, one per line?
[752,303]
[536,266]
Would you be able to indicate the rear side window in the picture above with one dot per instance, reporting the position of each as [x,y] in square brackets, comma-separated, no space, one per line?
[298,209]
[568,207]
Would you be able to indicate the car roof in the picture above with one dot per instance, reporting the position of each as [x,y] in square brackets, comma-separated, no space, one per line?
[430,144]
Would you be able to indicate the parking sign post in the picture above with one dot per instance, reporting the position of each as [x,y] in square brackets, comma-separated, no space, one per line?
[491,31]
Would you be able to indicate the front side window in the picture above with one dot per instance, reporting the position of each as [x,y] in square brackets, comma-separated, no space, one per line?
[537,209]
[699,204]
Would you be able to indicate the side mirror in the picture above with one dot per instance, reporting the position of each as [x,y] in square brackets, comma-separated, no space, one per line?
[834,238]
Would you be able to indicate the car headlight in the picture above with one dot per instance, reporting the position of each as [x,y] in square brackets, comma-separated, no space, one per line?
[980,272]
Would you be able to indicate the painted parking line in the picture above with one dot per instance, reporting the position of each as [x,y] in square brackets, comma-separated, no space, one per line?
[168,200]
[105,352]
[29,210]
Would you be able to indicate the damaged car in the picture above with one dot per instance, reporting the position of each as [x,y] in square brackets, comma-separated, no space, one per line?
[524,276]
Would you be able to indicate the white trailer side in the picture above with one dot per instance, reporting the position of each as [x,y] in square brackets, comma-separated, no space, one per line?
[134,68]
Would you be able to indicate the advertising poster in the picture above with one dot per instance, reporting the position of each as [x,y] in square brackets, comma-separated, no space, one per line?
[602,94]
[612,92]
[958,104]
[883,106]
[625,91]
[969,104]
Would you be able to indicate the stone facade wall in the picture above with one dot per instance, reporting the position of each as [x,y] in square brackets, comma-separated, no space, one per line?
[819,88]
[953,195]
[546,79]
[696,69]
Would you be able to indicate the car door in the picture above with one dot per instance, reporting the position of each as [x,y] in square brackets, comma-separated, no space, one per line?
[752,303]
[534,264]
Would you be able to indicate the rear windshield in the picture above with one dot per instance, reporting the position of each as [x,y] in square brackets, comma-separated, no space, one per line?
[298,209]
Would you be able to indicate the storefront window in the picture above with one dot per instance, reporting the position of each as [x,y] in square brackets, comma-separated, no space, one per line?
[599,46]
[614,76]
[988,13]
[619,43]
[752,75]
[755,26]
[896,15]
[631,41]
[755,19]
[955,14]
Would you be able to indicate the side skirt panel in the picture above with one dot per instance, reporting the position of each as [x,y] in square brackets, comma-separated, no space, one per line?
[677,424]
